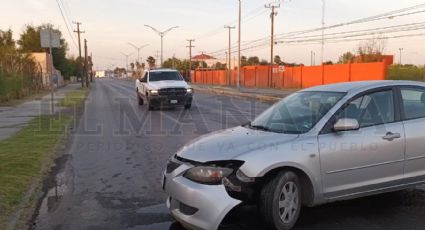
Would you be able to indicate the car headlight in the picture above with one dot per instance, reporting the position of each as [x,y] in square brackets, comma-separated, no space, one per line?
[153,92]
[207,174]
[189,90]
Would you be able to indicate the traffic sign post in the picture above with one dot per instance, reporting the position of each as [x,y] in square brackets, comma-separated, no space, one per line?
[50,39]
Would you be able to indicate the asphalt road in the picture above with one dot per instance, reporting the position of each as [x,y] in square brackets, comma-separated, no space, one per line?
[110,177]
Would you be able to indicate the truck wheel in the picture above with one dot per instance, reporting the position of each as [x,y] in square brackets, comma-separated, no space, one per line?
[150,107]
[141,102]
[280,201]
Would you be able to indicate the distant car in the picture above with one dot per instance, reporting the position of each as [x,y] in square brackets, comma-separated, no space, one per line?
[163,88]
[319,145]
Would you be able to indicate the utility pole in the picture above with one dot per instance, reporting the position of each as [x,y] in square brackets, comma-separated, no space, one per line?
[239,45]
[323,30]
[401,50]
[312,54]
[229,71]
[190,46]
[86,63]
[162,34]
[272,15]
[79,32]
[91,67]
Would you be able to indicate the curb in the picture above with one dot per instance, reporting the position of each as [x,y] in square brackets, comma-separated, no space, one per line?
[238,94]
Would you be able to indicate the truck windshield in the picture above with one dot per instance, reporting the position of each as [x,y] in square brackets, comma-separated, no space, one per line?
[165,76]
[297,113]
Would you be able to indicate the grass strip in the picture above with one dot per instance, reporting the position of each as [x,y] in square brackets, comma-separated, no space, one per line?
[74,98]
[25,157]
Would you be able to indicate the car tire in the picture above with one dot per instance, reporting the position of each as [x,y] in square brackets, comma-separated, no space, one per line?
[140,100]
[150,107]
[188,106]
[280,201]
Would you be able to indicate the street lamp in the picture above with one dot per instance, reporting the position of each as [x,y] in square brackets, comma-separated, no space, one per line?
[162,34]
[126,59]
[138,48]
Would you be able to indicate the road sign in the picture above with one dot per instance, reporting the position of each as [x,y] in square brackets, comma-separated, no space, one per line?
[49,38]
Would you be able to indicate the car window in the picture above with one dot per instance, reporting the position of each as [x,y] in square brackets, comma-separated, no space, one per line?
[371,109]
[297,113]
[165,76]
[413,103]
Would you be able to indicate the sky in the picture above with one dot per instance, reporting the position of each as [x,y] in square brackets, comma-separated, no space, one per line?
[110,25]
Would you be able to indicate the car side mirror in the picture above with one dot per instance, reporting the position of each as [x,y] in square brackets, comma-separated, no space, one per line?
[346,124]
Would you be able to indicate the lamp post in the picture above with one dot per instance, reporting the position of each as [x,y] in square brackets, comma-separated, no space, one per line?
[138,48]
[162,34]
[401,50]
[126,59]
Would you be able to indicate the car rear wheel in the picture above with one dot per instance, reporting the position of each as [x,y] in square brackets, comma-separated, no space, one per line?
[280,201]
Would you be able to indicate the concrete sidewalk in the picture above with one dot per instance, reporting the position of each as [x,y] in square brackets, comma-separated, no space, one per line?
[14,118]
[270,95]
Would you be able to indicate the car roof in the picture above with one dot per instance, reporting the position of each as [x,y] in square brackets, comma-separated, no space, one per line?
[347,87]
[162,70]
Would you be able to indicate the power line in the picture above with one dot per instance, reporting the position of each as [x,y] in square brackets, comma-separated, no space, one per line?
[67,11]
[249,16]
[66,24]
[389,15]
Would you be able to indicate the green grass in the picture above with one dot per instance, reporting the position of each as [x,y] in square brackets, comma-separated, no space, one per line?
[25,157]
[406,72]
[74,98]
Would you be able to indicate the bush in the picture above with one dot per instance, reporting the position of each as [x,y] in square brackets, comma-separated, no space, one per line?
[406,72]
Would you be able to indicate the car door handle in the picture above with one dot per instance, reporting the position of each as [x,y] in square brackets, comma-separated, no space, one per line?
[391,136]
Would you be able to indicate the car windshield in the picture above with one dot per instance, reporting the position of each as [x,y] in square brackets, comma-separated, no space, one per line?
[165,76]
[297,113]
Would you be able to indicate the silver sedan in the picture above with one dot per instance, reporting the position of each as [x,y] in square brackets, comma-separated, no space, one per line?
[319,145]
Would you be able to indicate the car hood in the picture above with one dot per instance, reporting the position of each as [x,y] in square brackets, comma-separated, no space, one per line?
[168,84]
[231,143]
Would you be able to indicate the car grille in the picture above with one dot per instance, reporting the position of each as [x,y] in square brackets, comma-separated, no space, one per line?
[171,166]
[172,92]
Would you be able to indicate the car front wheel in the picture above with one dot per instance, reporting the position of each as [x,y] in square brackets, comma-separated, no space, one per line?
[280,201]
[140,100]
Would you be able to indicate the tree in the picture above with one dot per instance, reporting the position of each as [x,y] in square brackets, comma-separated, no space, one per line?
[151,62]
[244,61]
[253,60]
[219,66]
[372,49]
[346,58]
[6,40]
[29,42]
[264,62]
[277,60]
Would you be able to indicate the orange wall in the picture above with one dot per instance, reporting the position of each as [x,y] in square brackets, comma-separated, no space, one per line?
[295,77]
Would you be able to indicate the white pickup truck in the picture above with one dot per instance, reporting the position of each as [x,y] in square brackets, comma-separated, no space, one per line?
[163,88]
